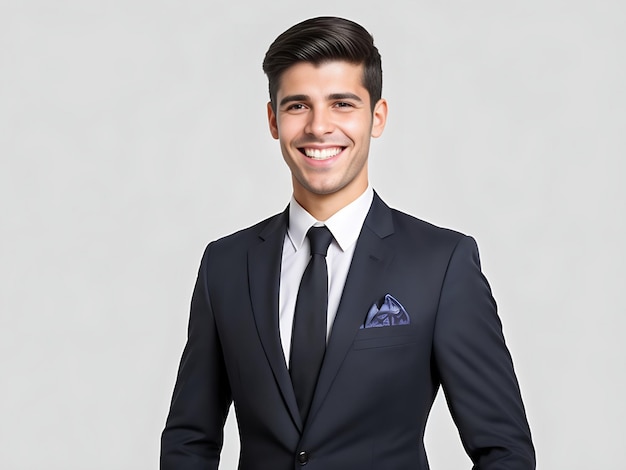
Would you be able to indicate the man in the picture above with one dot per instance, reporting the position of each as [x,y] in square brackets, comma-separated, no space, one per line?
[332,325]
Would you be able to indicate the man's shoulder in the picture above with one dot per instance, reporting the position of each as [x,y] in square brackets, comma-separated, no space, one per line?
[428,233]
[384,219]
[253,234]
[410,222]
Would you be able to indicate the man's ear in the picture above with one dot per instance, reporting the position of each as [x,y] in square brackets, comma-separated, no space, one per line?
[379,117]
[271,119]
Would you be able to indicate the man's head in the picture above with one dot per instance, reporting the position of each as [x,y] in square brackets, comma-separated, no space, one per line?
[325,87]
[320,40]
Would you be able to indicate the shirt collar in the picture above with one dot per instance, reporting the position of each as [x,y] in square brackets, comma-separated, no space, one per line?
[345,225]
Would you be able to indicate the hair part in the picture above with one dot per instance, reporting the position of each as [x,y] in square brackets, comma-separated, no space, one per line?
[324,39]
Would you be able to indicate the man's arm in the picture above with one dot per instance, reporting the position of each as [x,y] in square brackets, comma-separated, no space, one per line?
[476,370]
[194,431]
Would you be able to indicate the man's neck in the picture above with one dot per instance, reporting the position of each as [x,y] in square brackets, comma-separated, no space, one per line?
[324,206]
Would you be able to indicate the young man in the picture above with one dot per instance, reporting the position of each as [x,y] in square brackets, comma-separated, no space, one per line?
[332,325]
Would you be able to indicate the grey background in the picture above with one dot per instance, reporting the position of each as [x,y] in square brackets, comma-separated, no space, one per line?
[133,132]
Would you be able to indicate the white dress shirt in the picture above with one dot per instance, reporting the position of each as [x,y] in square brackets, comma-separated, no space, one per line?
[345,225]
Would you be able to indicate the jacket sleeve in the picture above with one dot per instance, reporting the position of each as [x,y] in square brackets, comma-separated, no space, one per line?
[194,430]
[476,369]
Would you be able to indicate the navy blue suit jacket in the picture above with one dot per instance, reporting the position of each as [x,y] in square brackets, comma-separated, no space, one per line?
[376,385]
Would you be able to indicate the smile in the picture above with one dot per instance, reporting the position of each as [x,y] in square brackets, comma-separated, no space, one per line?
[322,154]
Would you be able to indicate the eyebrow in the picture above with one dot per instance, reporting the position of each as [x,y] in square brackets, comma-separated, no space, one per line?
[331,97]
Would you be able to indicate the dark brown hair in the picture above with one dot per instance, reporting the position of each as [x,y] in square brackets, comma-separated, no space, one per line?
[323,39]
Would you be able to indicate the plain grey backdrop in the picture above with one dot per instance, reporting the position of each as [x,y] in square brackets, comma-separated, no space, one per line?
[134,132]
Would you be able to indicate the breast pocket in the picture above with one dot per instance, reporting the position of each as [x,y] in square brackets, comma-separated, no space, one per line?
[384,337]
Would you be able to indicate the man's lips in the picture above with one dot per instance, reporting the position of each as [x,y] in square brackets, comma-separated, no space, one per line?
[321,153]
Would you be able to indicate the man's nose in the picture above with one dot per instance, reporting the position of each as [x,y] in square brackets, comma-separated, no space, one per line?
[320,122]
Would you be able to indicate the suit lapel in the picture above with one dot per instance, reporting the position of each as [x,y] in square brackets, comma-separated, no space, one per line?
[264,262]
[371,258]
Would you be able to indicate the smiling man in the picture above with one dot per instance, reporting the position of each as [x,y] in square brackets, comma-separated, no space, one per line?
[323,118]
[332,326]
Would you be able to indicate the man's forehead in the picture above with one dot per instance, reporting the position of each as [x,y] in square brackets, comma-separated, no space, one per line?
[324,63]
[327,73]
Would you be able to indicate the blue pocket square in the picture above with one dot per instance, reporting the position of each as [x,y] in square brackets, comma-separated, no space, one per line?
[390,313]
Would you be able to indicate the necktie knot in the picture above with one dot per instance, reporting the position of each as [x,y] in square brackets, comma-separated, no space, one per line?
[319,238]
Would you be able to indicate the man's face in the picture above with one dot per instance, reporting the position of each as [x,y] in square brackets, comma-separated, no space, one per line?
[324,122]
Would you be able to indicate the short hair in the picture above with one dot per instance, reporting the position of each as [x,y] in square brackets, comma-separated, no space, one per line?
[324,39]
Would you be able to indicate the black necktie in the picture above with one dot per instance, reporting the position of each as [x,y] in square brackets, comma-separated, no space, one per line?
[308,341]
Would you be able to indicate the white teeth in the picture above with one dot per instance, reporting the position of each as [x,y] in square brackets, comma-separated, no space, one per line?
[322,154]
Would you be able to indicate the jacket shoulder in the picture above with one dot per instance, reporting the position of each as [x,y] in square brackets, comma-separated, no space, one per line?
[426,232]
[243,239]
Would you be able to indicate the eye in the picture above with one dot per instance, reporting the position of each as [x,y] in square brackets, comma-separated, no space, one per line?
[343,105]
[295,107]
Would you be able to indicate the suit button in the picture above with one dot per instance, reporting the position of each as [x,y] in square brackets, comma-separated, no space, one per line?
[303,458]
